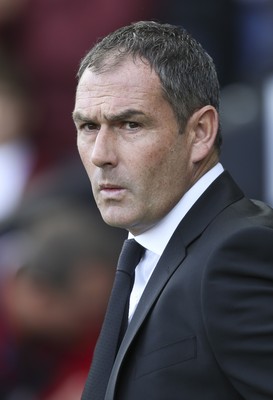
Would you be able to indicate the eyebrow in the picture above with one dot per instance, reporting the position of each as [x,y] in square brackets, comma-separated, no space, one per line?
[123,115]
[78,116]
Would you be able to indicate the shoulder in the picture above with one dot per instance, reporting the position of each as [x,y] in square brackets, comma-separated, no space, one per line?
[242,249]
[237,295]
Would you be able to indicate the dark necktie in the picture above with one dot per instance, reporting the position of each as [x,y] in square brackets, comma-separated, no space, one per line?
[113,324]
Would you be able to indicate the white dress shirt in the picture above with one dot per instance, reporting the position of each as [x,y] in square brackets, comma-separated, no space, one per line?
[156,239]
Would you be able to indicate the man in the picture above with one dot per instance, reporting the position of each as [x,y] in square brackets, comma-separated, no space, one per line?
[200,317]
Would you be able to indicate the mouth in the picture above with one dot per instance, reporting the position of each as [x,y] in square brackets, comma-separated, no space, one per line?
[111,190]
[110,187]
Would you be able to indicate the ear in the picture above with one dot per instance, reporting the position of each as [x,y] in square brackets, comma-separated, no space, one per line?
[203,128]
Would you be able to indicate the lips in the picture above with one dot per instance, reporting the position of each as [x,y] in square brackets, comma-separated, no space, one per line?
[109,187]
[111,191]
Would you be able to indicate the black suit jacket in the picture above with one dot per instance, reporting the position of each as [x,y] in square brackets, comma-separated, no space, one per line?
[203,329]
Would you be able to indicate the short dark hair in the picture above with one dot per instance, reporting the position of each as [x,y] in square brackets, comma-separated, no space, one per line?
[186,72]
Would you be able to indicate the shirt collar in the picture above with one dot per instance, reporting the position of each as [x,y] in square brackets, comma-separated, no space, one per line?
[157,238]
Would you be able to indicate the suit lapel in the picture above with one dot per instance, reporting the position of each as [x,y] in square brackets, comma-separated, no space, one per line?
[218,196]
[170,260]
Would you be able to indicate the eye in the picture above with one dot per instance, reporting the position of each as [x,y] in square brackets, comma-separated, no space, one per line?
[89,127]
[131,125]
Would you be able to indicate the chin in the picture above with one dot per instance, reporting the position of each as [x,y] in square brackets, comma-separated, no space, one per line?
[116,220]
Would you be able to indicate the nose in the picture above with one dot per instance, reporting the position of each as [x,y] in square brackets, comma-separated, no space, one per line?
[104,149]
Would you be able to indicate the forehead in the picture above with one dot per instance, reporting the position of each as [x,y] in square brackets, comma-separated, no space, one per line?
[128,68]
[132,81]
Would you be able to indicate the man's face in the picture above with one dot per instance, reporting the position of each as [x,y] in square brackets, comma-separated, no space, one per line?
[138,163]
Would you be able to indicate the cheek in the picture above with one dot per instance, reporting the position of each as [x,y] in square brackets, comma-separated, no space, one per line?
[85,155]
[81,149]
[168,171]
[157,161]
[151,172]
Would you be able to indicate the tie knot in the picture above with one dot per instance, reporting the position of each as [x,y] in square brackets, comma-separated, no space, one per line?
[130,256]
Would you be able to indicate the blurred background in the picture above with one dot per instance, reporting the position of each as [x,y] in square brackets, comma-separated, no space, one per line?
[55,273]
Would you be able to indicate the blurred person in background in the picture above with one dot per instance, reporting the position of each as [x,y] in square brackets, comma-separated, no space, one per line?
[17,153]
[53,299]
